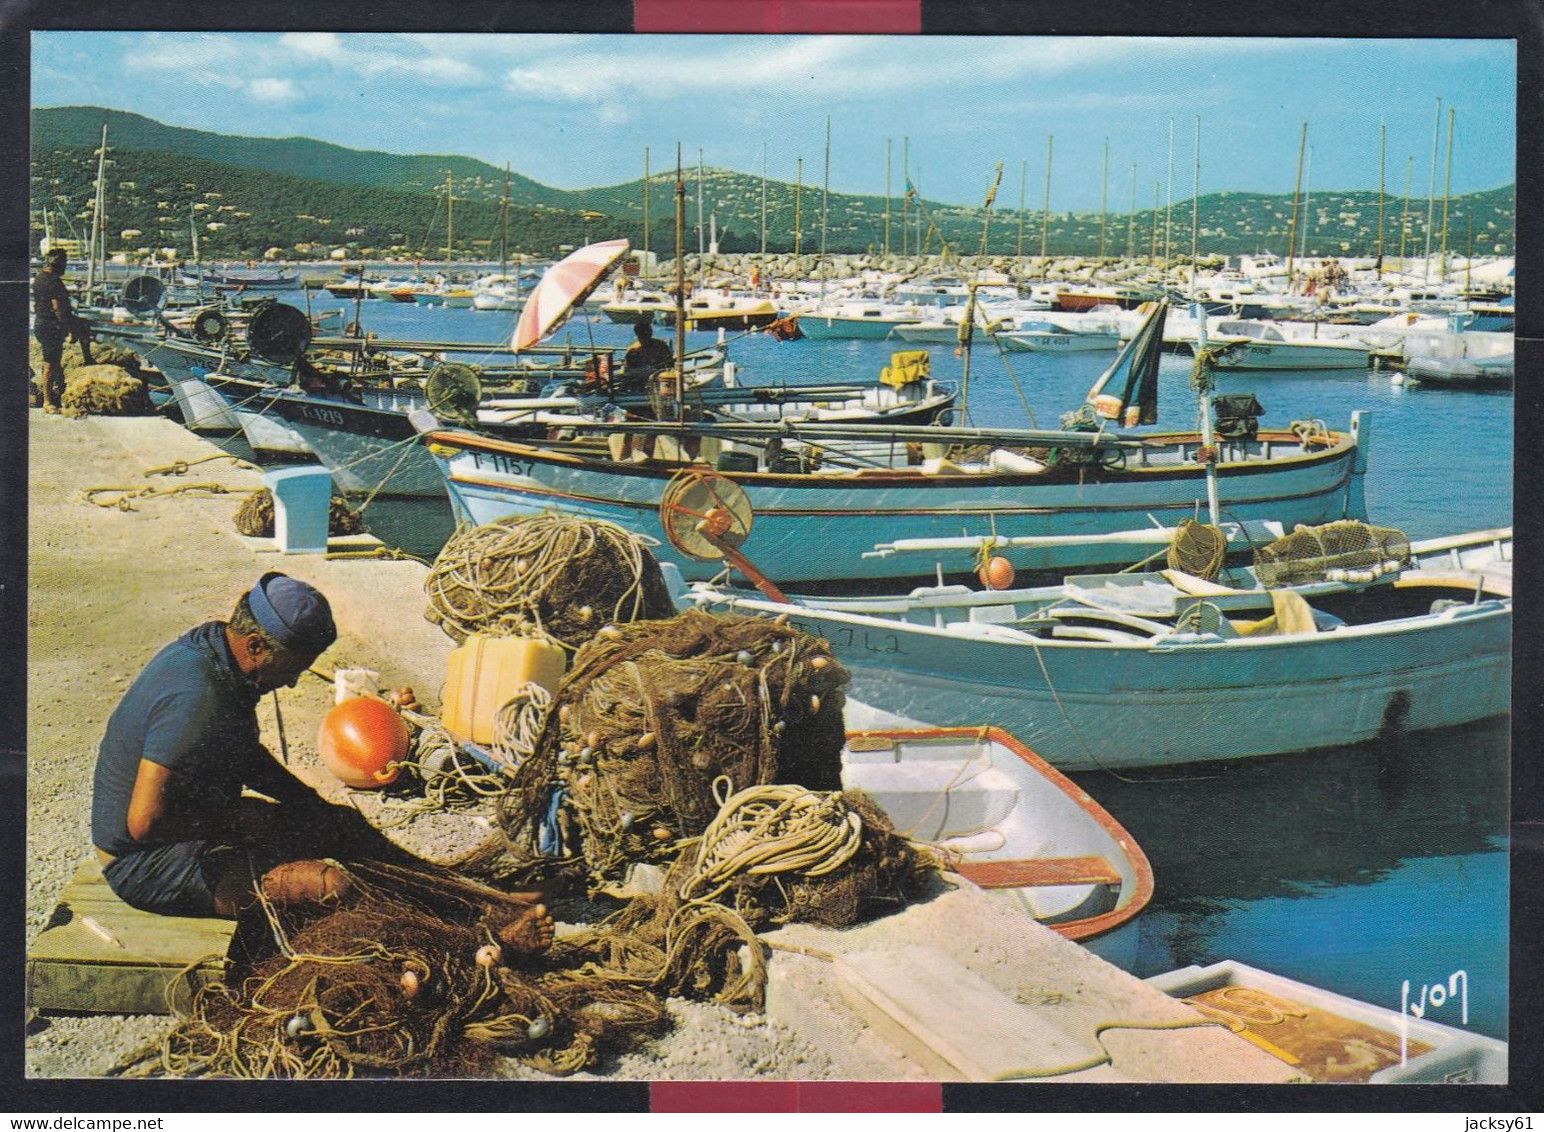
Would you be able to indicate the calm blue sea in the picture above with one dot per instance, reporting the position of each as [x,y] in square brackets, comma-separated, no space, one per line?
[1354,869]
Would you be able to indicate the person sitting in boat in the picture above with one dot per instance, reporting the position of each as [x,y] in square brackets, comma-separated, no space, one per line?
[645,358]
[53,320]
[173,827]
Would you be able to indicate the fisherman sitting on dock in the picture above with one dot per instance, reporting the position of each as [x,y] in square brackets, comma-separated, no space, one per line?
[645,358]
[54,320]
[172,827]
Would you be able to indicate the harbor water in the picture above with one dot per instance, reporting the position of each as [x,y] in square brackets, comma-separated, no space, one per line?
[1360,869]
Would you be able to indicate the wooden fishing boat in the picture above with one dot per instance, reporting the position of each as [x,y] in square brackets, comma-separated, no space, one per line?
[1013,824]
[820,490]
[250,278]
[1149,670]
[371,445]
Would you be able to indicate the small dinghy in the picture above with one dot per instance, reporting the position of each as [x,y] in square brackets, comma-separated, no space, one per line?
[1011,823]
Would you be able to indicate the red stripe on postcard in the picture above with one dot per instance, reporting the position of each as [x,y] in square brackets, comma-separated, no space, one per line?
[780,17]
[795,1096]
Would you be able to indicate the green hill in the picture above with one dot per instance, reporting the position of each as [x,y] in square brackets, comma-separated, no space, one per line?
[314,197]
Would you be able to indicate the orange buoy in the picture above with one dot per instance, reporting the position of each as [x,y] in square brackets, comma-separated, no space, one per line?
[359,741]
[996,573]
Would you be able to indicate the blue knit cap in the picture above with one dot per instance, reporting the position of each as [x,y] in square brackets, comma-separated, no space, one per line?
[294,614]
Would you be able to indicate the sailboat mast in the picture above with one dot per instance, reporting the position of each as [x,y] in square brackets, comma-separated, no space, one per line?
[1307,203]
[1297,187]
[1023,174]
[646,204]
[1382,164]
[504,225]
[701,235]
[1447,187]
[1157,210]
[1131,217]
[198,263]
[449,226]
[763,200]
[825,192]
[1045,208]
[1404,216]
[1168,204]
[798,205]
[1104,196]
[97,221]
[1431,188]
[887,198]
[1195,210]
[905,197]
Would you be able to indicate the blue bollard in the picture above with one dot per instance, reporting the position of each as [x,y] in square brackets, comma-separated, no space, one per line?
[301,501]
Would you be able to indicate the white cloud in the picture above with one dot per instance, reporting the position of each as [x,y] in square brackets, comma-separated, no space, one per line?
[278,92]
[313,44]
[372,55]
[182,51]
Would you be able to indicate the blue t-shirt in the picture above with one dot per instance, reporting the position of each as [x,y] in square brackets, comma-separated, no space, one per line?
[192,711]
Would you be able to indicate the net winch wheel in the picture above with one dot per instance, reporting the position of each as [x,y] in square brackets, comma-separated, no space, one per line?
[142,294]
[707,516]
[209,325]
[453,391]
[704,515]
[279,333]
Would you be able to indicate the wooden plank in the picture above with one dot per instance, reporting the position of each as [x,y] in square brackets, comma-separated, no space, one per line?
[1039,872]
[98,955]
[957,1024]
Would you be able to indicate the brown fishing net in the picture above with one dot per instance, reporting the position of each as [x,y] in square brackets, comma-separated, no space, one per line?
[779,853]
[104,391]
[1343,551]
[658,719]
[547,573]
[255,516]
[652,712]
[411,979]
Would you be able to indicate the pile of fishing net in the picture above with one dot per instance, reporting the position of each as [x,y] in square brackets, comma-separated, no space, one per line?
[543,574]
[652,713]
[1343,551]
[255,516]
[776,854]
[104,390]
[413,976]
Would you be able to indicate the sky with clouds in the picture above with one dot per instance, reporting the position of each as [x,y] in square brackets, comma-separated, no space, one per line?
[578,110]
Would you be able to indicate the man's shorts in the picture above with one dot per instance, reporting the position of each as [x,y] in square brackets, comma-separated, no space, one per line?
[176,879]
[50,336]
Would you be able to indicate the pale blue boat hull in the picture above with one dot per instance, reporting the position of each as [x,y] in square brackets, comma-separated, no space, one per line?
[815,529]
[1090,705]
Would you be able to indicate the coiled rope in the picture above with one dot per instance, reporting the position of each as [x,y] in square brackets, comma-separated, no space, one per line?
[771,829]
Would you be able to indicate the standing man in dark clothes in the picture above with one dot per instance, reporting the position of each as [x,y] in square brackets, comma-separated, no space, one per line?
[645,358]
[53,320]
[172,828]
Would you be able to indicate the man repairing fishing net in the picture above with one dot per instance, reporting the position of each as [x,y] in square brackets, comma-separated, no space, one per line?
[174,830]
[54,320]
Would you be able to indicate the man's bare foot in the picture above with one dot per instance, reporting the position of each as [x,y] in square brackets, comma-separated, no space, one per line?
[306,882]
[529,933]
